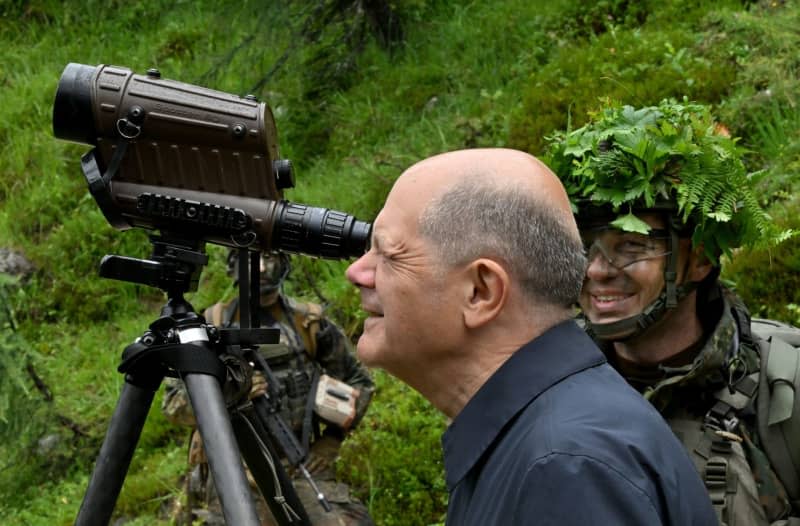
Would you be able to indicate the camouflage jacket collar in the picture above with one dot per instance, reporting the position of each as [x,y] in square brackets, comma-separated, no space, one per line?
[723,358]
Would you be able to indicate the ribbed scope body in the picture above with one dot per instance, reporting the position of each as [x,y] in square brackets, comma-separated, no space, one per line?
[192,162]
[183,136]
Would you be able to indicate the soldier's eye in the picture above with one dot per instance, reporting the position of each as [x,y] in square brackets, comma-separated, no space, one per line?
[634,247]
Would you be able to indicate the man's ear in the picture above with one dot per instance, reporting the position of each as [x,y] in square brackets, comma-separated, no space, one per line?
[487,284]
[699,264]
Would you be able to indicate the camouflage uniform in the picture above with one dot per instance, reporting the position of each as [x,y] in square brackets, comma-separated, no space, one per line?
[308,343]
[667,182]
[743,486]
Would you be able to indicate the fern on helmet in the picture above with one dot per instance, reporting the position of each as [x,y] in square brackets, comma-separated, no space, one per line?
[630,160]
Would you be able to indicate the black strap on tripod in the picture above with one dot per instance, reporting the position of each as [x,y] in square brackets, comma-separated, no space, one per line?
[143,363]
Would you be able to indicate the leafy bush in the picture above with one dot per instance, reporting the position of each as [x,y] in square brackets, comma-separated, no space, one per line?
[394,459]
[763,43]
[35,443]
[14,354]
[769,280]
[640,67]
[764,110]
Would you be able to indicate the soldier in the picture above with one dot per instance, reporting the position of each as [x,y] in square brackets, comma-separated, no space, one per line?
[309,343]
[661,194]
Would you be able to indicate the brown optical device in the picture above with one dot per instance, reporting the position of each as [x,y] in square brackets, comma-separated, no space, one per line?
[192,162]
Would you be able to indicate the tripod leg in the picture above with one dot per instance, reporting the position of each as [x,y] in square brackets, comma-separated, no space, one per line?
[115,456]
[222,450]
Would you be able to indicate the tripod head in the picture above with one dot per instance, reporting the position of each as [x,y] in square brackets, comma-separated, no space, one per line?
[174,267]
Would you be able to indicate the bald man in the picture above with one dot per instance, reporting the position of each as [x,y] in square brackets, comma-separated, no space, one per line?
[469,284]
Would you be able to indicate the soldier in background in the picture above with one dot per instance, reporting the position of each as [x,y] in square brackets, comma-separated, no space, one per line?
[661,194]
[309,344]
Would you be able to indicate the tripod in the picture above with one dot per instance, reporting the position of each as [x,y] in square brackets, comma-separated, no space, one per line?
[180,343]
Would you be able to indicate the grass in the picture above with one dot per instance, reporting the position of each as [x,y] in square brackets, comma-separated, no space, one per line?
[352,115]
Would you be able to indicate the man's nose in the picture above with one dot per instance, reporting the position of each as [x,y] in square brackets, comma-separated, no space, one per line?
[599,267]
[361,272]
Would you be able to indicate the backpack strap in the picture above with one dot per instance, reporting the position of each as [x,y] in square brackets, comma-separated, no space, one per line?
[720,460]
[723,415]
[721,424]
[720,428]
[721,483]
[739,392]
[306,318]
[779,412]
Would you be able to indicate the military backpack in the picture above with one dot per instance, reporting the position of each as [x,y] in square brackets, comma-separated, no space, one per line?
[778,401]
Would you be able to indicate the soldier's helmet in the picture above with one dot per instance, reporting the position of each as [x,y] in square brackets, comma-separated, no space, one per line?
[274,268]
[673,159]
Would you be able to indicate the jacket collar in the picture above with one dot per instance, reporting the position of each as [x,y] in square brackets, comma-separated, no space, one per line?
[560,352]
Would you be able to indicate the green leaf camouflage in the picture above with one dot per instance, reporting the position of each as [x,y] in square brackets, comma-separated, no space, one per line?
[628,159]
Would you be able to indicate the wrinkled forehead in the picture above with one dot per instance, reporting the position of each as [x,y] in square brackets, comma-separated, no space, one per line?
[401,210]
[409,197]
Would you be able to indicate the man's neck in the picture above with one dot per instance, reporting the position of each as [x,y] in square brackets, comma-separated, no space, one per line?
[452,384]
[679,329]
[456,384]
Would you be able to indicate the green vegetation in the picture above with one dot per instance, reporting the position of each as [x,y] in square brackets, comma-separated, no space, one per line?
[628,157]
[360,91]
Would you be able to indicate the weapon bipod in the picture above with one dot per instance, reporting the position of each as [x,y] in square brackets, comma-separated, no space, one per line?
[180,343]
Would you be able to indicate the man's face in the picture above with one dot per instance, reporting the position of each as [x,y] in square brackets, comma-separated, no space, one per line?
[272,272]
[611,293]
[403,289]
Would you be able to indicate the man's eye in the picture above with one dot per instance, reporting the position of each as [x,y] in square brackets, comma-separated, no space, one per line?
[632,247]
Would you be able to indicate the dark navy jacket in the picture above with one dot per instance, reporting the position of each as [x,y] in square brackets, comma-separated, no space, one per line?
[556,437]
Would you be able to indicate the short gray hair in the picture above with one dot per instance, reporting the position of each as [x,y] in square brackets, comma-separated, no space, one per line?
[478,218]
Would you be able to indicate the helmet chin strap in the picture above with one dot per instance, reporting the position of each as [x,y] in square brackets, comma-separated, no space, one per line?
[668,299]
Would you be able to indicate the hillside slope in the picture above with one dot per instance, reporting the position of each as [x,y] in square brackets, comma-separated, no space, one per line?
[360,90]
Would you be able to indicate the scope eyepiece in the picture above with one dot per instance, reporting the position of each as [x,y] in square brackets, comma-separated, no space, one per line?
[320,231]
